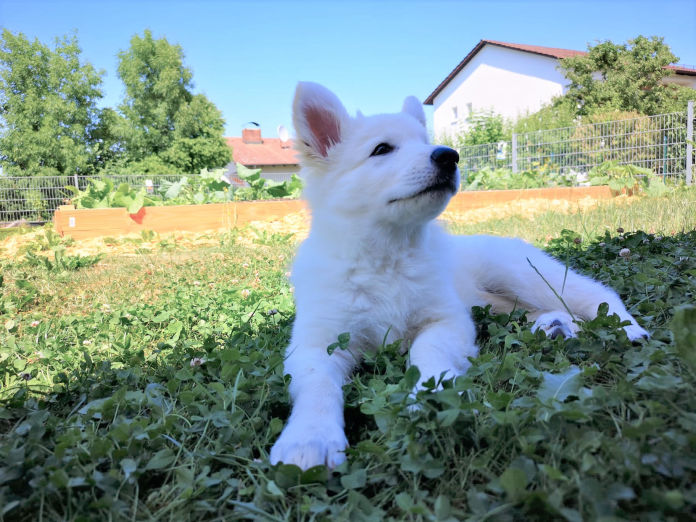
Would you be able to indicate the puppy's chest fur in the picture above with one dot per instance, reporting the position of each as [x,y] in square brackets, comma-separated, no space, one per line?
[375,297]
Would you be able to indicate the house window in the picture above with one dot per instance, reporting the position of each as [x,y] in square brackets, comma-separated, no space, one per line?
[469,108]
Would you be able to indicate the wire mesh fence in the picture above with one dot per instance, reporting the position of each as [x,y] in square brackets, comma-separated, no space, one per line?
[35,198]
[661,143]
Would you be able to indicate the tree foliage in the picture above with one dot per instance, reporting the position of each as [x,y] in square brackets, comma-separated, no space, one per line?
[49,117]
[50,122]
[165,127]
[486,127]
[197,139]
[483,127]
[625,77]
[157,85]
[557,114]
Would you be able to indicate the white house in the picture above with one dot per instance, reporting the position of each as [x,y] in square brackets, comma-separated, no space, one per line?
[510,79]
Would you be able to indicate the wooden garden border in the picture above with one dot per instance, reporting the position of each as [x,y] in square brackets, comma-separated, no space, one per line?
[88,223]
[469,200]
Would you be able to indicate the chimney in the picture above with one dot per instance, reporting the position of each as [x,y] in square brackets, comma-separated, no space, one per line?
[251,136]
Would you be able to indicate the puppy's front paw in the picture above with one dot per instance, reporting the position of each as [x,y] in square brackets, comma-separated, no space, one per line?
[636,333]
[555,324]
[309,445]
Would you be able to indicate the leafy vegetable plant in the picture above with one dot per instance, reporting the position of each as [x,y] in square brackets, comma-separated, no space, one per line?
[101,193]
[207,187]
[260,188]
[627,178]
[488,178]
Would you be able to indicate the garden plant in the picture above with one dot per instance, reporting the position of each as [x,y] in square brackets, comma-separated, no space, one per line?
[207,187]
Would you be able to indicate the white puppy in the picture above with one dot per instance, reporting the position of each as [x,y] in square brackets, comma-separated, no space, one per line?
[375,265]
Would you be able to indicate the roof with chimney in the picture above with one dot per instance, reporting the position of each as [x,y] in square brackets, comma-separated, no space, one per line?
[551,52]
[252,150]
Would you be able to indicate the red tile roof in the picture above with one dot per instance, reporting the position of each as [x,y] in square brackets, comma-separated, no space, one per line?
[552,52]
[682,69]
[270,151]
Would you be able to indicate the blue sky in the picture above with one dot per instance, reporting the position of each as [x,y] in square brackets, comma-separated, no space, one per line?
[248,56]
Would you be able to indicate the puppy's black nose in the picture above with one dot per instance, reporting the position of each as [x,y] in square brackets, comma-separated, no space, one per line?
[445,158]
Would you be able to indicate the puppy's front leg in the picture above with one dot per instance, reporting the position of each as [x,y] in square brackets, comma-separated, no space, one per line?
[444,346]
[314,433]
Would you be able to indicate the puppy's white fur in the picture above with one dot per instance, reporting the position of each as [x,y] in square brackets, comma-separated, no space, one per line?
[375,264]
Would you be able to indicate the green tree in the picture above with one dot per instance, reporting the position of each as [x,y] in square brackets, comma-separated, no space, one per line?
[485,127]
[198,137]
[554,115]
[625,77]
[108,147]
[166,127]
[48,115]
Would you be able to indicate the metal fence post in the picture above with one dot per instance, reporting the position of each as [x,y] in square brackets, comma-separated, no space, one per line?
[514,152]
[689,141]
[77,183]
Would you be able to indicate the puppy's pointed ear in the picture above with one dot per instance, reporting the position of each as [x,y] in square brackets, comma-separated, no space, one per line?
[320,119]
[413,107]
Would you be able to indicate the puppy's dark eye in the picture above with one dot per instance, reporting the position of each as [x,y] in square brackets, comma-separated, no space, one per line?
[382,148]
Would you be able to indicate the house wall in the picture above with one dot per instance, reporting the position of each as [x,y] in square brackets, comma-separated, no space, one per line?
[681,79]
[279,172]
[508,81]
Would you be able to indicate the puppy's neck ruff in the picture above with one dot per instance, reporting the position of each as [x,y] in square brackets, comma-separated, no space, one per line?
[359,237]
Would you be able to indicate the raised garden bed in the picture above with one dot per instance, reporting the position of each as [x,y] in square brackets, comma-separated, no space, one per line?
[87,223]
[469,200]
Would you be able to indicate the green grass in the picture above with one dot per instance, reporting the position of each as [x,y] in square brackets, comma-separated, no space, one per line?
[672,213]
[152,388]
[6,232]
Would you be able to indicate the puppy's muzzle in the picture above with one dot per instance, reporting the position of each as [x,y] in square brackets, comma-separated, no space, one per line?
[445,179]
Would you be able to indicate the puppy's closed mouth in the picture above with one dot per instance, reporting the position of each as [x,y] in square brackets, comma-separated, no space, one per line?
[438,186]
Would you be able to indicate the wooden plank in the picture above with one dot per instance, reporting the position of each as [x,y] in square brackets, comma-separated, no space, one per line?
[86,223]
[463,201]
[191,218]
[92,222]
[247,211]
